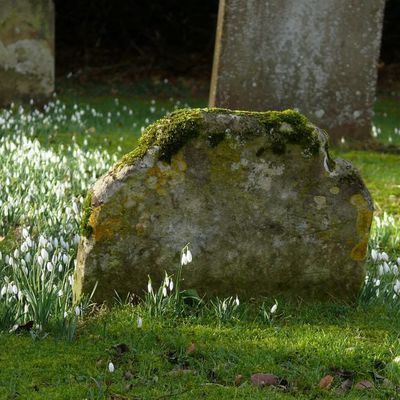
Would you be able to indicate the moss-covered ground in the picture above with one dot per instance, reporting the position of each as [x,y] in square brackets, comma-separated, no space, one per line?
[198,357]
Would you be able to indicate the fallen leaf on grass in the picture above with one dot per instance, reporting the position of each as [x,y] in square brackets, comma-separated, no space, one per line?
[128,375]
[326,382]
[118,397]
[239,380]
[191,349]
[345,386]
[2,238]
[364,385]
[121,348]
[262,380]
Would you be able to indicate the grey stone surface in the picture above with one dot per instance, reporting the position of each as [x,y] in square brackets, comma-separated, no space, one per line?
[266,210]
[26,50]
[317,56]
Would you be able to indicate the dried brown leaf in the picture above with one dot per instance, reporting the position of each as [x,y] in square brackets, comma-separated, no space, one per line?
[326,382]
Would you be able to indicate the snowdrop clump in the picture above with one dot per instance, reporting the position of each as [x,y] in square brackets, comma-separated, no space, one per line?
[382,281]
[41,192]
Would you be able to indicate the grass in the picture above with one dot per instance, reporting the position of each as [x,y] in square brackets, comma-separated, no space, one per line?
[198,355]
[303,345]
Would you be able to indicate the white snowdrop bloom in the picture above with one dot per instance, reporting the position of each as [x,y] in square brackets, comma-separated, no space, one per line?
[49,266]
[189,256]
[274,308]
[395,269]
[3,291]
[377,282]
[171,285]
[70,280]
[380,270]
[65,258]
[60,267]
[16,253]
[14,289]
[25,233]
[111,367]
[44,254]
[75,208]
[139,322]
[60,293]
[386,268]
[65,314]
[374,254]
[237,300]
[164,291]
[398,260]
[42,241]
[77,311]
[149,287]
[40,260]
[24,247]
[28,257]
[384,256]
[26,308]
[11,261]
[184,260]
[397,286]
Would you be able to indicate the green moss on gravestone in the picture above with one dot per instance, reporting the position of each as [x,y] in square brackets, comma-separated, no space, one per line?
[173,131]
[86,229]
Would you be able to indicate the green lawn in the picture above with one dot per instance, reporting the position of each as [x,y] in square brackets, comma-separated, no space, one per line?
[301,346]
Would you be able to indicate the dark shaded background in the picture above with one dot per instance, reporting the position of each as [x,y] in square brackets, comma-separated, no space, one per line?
[134,39]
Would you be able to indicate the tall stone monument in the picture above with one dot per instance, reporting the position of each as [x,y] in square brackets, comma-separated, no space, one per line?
[26,50]
[317,56]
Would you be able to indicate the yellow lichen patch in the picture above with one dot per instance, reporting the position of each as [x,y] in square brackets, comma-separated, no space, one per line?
[334,190]
[107,229]
[364,220]
[320,201]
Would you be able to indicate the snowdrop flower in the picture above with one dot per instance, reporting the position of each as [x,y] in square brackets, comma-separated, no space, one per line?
[374,254]
[65,314]
[397,286]
[237,300]
[386,267]
[44,254]
[139,322]
[274,308]
[70,280]
[60,293]
[171,285]
[111,367]
[77,311]
[184,260]
[49,266]
[65,258]
[164,291]
[384,256]
[25,233]
[26,308]
[398,260]
[149,287]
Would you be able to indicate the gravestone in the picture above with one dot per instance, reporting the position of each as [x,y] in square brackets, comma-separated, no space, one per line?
[265,208]
[26,50]
[317,56]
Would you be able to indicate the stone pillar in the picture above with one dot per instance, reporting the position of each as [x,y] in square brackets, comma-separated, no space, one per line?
[26,50]
[319,57]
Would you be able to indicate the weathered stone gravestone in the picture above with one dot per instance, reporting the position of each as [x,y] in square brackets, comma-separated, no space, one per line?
[317,56]
[265,208]
[26,50]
